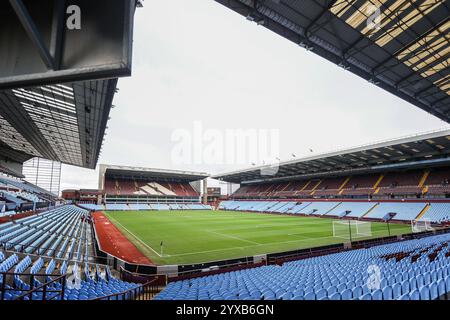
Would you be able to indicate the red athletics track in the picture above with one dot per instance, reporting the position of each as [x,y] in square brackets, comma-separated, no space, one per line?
[115,243]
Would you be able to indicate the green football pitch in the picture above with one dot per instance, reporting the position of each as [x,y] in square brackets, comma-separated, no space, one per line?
[202,236]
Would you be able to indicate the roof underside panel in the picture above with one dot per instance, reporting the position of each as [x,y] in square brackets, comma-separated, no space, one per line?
[136,173]
[58,76]
[62,122]
[401,46]
[431,149]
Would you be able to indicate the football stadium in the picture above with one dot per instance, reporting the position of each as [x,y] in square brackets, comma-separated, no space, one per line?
[370,222]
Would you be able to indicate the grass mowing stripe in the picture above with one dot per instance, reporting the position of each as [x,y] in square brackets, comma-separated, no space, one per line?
[232,237]
[201,236]
[191,253]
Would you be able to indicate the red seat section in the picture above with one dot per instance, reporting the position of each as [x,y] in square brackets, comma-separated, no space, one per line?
[331,186]
[438,181]
[361,185]
[402,183]
[127,187]
[415,183]
[308,188]
[290,188]
[110,187]
[124,187]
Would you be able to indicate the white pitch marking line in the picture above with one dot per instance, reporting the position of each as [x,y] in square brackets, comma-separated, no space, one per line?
[232,237]
[137,238]
[244,247]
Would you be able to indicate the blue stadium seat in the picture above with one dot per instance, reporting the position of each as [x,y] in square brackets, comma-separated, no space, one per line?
[397,290]
[424,293]
[346,294]
[441,287]
[434,293]
[405,296]
[377,295]
[344,273]
[387,293]
[321,293]
[310,296]
[367,296]
[414,295]
[335,296]
[357,292]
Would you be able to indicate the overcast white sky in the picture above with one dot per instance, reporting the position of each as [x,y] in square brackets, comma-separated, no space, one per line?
[199,61]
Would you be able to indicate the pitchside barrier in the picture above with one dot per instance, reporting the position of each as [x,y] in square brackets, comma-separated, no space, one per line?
[175,272]
[134,272]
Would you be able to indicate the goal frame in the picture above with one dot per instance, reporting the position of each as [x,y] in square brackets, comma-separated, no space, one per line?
[353,229]
[415,226]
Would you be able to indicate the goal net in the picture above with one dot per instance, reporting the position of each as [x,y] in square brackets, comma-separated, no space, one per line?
[352,229]
[421,226]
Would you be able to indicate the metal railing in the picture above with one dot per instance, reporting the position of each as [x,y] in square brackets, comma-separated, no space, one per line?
[145,291]
[49,291]
[45,290]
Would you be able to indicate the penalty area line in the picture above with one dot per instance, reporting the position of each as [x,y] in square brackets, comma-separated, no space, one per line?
[250,246]
[233,237]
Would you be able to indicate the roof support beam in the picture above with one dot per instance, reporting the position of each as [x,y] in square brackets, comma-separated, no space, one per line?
[15,155]
[432,146]
[422,36]
[32,32]
[319,16]
[57,32]
[440,100]
[419,93]
[418,72]
[391,56]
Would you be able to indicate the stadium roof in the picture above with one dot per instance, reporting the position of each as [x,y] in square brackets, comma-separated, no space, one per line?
[11,172]
[57,84]
[127,172]
[62,122]
[428,149]
[404,49]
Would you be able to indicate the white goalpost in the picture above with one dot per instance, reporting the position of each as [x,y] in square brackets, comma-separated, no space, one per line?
[421,226]
[352,229]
